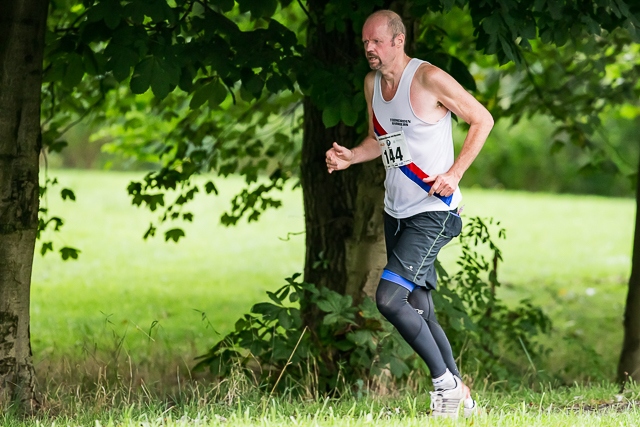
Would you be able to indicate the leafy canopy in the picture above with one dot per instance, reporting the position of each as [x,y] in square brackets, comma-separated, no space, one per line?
[216,85]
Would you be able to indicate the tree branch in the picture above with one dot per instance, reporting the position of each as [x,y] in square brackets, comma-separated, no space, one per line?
[306,12]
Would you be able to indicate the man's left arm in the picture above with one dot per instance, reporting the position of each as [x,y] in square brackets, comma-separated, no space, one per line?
[460,102]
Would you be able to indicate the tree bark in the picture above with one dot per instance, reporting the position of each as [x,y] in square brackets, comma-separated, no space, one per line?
[630,357]
[343,214]
[22,28]
[343,210]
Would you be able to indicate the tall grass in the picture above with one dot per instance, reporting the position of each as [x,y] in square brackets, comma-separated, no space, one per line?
[197,405]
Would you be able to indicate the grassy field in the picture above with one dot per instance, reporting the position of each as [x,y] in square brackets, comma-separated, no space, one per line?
[599,406]
[146,302]
[151,299]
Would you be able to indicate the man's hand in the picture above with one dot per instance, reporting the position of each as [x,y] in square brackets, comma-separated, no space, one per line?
[338,158]
[444,184]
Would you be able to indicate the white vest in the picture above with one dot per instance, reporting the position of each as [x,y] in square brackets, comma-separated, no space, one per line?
[430,146]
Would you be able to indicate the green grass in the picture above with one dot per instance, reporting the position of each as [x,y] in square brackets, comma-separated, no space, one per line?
[572,256]
[142,302]
[121,284]
[575,406]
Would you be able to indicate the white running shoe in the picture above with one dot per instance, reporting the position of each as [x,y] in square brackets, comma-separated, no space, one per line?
[446,403]
[471,411]
[469,405]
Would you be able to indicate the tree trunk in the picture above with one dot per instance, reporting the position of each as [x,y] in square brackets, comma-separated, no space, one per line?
[343,210]
[22,27]
[343,214]
[630,357]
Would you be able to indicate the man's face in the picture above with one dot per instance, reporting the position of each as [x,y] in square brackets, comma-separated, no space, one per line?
[379,47]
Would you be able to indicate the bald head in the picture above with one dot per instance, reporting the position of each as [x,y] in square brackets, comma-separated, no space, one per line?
[393,21]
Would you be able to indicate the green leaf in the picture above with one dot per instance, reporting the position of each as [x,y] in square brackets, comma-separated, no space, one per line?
[224,5]
[258,8]
[96,12]
[266,309]
[93,62]
[67,194]
[241,324]
[331,318]
[57,146]
[120,63]
[557,146]
[210,187]
[460,72]
[46,247]
[492,24]
[141,79]
[164,78]
[151,231]
[112,19]
[69,253]
[74,71]
[397,367]
[108,10]
[214,92]
[294,297]
[200,96]
[218,94]
[281,352]
[344,345]
[331,116]
[136,11]
[507,48]
[252,83]
[174,234]
[156,72]
[347,112]
[363,337]
[275,298]
[186,79]
[275,83]
[284,319]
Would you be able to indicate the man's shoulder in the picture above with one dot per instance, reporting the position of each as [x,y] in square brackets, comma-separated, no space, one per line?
[429,75]
[427,70]
[370,76]
[369,80]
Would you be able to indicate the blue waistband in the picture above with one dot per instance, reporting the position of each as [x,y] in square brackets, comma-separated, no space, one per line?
[398,280]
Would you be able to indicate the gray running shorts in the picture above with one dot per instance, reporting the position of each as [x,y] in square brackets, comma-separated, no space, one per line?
[413,244]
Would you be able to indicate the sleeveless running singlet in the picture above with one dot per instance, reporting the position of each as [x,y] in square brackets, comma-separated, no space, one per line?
[412,149]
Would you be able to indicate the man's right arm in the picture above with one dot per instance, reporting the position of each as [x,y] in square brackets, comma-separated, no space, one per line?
[339,157]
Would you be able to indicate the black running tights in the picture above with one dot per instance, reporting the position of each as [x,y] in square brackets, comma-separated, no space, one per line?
[412,313]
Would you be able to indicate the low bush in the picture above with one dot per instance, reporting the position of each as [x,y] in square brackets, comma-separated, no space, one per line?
[355,347]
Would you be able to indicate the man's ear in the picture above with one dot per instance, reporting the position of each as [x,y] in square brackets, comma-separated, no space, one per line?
[400,39]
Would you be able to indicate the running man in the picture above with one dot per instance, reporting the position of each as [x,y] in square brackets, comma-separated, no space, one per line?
[410,103]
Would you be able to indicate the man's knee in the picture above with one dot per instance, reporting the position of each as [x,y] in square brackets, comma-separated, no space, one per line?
[388,300]
[422,301]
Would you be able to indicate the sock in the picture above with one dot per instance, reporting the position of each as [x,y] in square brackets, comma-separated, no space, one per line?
[445,382]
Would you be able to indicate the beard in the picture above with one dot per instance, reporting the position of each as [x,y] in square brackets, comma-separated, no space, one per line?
[372,62]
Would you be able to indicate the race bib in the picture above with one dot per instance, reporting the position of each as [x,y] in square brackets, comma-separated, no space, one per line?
[395,152]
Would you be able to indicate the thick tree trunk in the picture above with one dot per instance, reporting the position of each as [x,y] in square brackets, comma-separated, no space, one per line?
[343,210]
[630,357]
[22,26]
[343,214]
